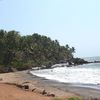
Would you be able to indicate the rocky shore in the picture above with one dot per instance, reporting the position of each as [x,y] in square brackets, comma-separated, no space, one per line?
[46,88]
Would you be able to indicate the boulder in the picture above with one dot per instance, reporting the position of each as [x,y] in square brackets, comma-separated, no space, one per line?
[50,95]
[44,92]
[26,87]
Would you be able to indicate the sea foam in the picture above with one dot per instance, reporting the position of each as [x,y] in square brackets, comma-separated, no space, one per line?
[83,74]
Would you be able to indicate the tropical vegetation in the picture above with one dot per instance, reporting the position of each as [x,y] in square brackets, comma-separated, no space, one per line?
[24,52]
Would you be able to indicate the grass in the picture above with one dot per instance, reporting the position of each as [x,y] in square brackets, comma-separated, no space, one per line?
[74,99]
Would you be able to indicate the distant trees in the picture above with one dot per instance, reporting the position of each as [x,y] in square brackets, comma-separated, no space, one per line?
[24,52]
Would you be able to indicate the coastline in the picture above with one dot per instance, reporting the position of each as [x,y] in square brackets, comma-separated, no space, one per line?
[62,90]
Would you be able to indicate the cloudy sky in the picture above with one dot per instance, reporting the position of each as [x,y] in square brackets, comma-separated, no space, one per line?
[73,22]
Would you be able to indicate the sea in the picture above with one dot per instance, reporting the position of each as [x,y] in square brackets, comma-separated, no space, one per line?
[88,74]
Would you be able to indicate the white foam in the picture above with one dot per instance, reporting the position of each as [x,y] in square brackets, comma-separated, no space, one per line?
[79,74]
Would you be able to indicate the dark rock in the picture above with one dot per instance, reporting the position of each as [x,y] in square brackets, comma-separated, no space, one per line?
[51,95]
[26,87]
[44,92]
[33,89]
[20,86]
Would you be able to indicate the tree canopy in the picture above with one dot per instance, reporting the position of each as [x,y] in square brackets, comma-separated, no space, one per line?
[24,52]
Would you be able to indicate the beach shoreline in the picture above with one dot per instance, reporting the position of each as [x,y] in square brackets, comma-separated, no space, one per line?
[53,88]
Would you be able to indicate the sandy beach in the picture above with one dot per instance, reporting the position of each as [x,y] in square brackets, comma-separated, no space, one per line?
[10,92]
[39,88]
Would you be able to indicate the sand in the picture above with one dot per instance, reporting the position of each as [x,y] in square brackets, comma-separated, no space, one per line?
[10,92]
[58,89]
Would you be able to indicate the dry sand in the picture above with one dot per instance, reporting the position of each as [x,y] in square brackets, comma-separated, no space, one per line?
[11,92]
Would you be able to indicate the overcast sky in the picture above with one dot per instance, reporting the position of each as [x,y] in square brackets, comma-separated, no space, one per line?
[73,22]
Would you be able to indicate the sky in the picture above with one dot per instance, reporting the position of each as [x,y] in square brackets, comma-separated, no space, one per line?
[73,22]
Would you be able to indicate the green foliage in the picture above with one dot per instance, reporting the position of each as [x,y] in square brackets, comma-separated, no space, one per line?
[24,52]
[74,99]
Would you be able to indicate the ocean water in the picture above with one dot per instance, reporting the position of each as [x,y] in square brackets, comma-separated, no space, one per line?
[91,59]
[82,74]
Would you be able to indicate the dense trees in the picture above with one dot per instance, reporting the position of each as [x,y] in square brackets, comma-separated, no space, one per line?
[24,52]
